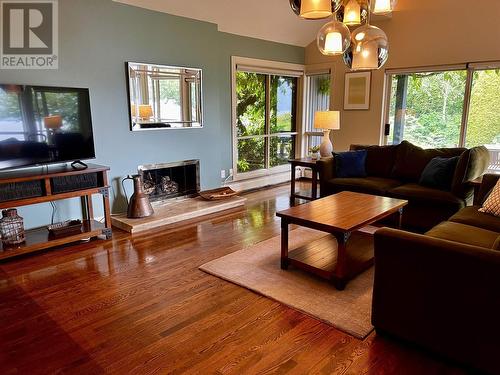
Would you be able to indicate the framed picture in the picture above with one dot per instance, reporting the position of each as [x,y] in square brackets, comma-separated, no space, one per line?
[357,90]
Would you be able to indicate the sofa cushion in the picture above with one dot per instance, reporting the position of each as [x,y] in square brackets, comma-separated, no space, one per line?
[492,204]
[471,216]
[370,185]
[411,160]
[415,192]
[350,164]
[463,233]
[438,173]
[471,165]
[379,159]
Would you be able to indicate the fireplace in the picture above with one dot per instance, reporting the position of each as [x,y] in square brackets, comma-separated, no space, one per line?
[171,180]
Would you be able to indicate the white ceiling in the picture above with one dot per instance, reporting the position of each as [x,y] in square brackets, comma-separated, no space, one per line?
[263,19]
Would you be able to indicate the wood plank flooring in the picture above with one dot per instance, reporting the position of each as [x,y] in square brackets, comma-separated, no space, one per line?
[139,305]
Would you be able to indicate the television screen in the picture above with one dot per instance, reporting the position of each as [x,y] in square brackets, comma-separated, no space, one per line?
[42,125]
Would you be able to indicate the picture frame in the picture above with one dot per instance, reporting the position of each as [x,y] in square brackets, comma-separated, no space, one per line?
[357,87]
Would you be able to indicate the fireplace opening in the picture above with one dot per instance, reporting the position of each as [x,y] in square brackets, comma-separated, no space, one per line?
[171,180]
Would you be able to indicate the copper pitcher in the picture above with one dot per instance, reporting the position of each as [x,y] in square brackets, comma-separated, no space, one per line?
[139,204]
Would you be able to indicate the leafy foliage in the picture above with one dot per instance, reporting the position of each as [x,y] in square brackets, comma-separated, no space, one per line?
[251,119]
[435,103]
[484,116]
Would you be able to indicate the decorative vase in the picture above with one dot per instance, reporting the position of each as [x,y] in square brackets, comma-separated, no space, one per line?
[11,228]
[139,205]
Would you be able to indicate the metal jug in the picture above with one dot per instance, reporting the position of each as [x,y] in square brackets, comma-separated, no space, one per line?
[139,204]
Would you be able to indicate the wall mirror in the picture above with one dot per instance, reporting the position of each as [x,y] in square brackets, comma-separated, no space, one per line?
[164,97]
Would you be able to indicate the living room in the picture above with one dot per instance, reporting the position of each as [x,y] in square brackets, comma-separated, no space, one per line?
[195,274]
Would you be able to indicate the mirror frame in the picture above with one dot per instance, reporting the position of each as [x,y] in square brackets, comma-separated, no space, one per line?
[129,101]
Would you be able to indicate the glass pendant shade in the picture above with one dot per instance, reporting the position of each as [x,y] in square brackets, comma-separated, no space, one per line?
[296,5]
[333,38]
[382,7]
[353,12]
[369,49]
[315,9]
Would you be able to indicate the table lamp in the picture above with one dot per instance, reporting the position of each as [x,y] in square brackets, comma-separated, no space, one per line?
[145,111]
[53,122]
[327,120]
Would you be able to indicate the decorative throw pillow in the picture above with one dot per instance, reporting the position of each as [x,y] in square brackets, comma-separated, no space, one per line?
[492,203]
[350,164]
[439,172]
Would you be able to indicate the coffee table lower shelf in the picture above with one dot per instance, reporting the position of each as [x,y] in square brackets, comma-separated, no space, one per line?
[320,257]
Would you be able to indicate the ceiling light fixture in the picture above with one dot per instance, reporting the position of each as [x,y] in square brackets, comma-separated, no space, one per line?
[383,7]
[369,48]
[334,38]
[316,6]
[315,9]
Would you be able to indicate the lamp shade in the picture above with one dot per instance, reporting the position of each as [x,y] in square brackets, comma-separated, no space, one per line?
[352,13]
[315,9]
[145,111]
[383,6]
[369,49]
[333,38]
[327,120]
[52,122]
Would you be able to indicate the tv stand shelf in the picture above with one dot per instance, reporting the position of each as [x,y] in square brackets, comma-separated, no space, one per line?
[49,184]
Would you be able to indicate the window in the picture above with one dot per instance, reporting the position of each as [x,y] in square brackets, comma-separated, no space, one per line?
[265,121]
[450,108]
[483,125]
[317,99]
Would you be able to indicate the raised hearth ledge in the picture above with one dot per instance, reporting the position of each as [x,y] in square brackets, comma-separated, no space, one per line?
[175,212]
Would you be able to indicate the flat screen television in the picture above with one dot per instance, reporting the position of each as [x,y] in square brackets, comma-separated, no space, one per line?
[44,125]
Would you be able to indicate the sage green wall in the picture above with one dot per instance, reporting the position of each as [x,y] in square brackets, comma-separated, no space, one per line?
[96,38]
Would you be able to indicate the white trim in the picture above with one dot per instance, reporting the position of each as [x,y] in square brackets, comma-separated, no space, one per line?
[261,173]
[485,65]
[469,67]
[273,68]
[426,69]
[259,182]
[266,65]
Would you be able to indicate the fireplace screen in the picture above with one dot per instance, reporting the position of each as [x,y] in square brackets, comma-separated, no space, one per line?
[171,180]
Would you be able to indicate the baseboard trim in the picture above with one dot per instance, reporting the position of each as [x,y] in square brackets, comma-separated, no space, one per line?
[259,182]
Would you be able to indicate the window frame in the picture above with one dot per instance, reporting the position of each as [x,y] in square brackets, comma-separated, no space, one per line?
[470,68]
[269,68]
[311,71]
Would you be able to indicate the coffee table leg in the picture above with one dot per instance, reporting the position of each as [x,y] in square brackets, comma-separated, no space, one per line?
[314,189]
[284,244]
[340,273]
[292,185]
[400,218]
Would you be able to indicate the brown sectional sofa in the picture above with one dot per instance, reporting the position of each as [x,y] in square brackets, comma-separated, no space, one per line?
[441,290]
[394,171]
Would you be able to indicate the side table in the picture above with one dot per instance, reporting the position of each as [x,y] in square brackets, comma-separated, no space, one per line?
[308,163]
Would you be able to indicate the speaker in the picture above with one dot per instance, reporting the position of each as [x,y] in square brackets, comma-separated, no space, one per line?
[65,184]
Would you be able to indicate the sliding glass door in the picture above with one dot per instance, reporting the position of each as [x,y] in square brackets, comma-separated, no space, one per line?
[266,111]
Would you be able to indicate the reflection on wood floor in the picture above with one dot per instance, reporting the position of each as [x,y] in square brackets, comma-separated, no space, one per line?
[139,304]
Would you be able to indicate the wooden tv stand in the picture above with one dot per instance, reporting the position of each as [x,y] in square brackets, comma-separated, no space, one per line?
[46,184]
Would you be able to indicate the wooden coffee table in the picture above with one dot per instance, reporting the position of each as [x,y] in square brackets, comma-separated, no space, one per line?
[347,216]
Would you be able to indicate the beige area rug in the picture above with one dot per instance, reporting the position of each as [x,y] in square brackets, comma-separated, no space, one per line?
[258,268]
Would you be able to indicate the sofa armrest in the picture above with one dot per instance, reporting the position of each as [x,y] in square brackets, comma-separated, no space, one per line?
[326,170]
[487,184]
[432,291]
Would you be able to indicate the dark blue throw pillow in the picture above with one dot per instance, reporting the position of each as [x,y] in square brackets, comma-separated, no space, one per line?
[439,172]
[350,164]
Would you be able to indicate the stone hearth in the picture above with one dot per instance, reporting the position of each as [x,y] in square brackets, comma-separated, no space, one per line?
[176,212]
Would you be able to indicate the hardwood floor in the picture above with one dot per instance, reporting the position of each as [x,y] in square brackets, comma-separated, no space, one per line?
[139,305]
